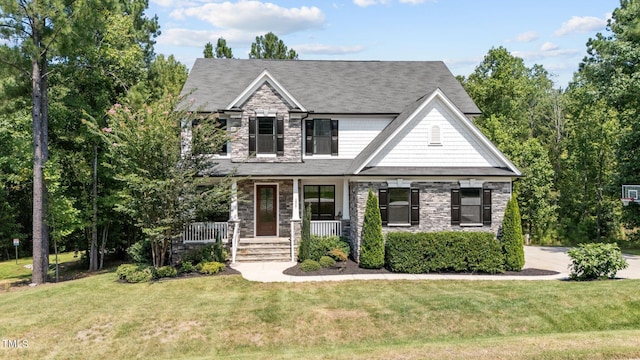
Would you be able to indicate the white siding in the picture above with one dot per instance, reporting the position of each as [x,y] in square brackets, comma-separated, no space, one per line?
[354,134]
[458,146]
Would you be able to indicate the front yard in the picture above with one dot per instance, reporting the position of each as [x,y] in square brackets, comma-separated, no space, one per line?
[227,316]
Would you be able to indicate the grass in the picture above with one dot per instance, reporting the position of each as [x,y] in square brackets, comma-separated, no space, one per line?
[229,317]
[10,272]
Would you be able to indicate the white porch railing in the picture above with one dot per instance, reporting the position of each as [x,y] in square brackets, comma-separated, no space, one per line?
[205,232]
[326,227]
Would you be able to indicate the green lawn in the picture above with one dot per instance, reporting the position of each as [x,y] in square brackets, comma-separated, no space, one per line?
[10,272]
[229,317]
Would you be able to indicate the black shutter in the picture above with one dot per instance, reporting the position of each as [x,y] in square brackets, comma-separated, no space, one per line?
[252,135]
[334,137]
[280,135]
[308,129]
[486,207]
[383,200]
[223,127]
[455,206]
[415,206]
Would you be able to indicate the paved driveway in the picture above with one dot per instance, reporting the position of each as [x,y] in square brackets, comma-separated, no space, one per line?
[556,258]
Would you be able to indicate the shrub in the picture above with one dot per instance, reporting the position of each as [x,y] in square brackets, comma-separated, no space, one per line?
[132,273]
[125,269]
[166,271]
[338,254]
[140,252]
[372,245]
[443,251]
[596,261]
[210,268]
[512,239]
[305,241]
[187,267]
[320,246]
[219,252]
[327,261]
[310,265]
[215,252]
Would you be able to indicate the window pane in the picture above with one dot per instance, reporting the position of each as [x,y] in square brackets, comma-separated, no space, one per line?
[322,145]
[470,214]
[470,209]
[265,126]
[310,192]
[321,198]
[399,206]
[322,128]
[399,197]
[470,196]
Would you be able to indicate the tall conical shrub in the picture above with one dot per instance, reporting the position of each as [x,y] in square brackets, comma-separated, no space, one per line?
[512,239]
[305,243]
[372,244]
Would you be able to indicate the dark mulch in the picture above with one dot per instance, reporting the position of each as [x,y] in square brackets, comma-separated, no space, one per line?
[350,267]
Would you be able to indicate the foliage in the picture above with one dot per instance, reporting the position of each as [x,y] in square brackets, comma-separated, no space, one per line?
[596,261]
[187,267]
[208,51]
[372,244]
[304,251]
[222,50]
[443,251]
[140,252]
[338,254]
[322,245]
[326,262]
[125,269]
[210,268]
[512,239]
[269,46]
[135,273]
[166,271]
[310,265]
[208,253]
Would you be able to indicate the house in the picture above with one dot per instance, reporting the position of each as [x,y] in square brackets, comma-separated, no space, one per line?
[322,133]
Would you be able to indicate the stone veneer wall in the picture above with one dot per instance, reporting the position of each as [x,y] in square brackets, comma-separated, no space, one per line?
[435,208]
[246,206]
[267,98]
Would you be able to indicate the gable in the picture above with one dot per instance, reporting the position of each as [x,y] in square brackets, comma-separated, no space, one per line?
[263,79]
[432,133]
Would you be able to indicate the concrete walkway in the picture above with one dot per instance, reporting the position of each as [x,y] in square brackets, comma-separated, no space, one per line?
[538,257]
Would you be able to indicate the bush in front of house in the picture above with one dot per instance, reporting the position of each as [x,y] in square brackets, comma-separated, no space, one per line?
[338,254]
[214,252]
[310,265]
[187,267]
[320,246]
[305,241]
[596,261]
[512,239]
[166,271]
[327,262]
[449,251]
[372,244]
[210,268]
[132,273]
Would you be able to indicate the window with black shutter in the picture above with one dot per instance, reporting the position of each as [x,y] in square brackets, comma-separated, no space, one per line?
[471,206]
[266,135]
[321,137]
[399,206]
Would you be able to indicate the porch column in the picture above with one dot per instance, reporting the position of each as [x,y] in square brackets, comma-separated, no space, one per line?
[233,211]
[345,199]
[296,201]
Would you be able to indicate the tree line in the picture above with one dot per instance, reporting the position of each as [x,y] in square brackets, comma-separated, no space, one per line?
[69,70]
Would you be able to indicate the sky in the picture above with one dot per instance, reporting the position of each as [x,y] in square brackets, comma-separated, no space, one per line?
[552,33]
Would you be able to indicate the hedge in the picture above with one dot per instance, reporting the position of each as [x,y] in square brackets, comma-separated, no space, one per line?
[450,251]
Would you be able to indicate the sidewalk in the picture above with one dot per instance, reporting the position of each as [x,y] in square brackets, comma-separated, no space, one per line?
[538,257]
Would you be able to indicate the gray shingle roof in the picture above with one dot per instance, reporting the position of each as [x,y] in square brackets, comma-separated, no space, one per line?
[369,87]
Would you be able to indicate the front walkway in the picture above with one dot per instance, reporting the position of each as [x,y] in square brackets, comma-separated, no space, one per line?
[538,257]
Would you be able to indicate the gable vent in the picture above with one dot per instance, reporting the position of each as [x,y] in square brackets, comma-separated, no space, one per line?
[435,135]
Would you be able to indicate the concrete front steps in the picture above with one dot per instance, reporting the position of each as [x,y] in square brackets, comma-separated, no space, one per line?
[263,249]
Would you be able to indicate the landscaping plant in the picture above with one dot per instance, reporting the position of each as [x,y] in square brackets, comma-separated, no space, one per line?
[512,239]
[305,242]
[372,245]
[596,261]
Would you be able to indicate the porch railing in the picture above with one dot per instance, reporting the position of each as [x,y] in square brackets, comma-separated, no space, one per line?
[326,227]
[205,232]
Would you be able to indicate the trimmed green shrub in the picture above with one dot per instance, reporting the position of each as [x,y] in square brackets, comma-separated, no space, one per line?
[210,268]
[132,273]
[320,246]
[305,241]
[166,271]
[125,269]
[214,252]
[219,252]
[372,244]
[310,265]
[454,251]
[512,239]
[596,261]
[327,261]
[338,254]
[187,267]
[140,252]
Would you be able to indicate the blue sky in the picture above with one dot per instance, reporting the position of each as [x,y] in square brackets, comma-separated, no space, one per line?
[552,33]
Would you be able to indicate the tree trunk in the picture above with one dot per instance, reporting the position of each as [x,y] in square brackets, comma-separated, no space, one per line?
[105,233]
[93,250]
[40,154]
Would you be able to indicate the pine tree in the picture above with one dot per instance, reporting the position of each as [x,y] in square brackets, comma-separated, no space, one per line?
[372,245]
[305,242]
[512,238]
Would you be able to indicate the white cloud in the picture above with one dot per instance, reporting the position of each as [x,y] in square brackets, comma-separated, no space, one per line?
[415,2]
[322,49]
[526,37]
[255,16]
[548,46]
[582,24]
[365,3]
[197,38]
[543,54]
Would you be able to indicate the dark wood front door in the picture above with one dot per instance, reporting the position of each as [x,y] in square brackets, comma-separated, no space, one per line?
[266,210]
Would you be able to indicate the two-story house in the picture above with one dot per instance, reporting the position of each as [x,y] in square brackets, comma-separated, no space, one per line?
[322,133]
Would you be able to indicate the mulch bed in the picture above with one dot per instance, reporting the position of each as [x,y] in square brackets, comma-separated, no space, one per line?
[350,267]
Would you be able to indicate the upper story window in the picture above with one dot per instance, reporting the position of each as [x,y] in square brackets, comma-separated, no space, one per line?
[321,137]
[399,206]
[471,206]
[266,135]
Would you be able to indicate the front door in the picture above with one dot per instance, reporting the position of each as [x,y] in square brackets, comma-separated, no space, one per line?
[266,210]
